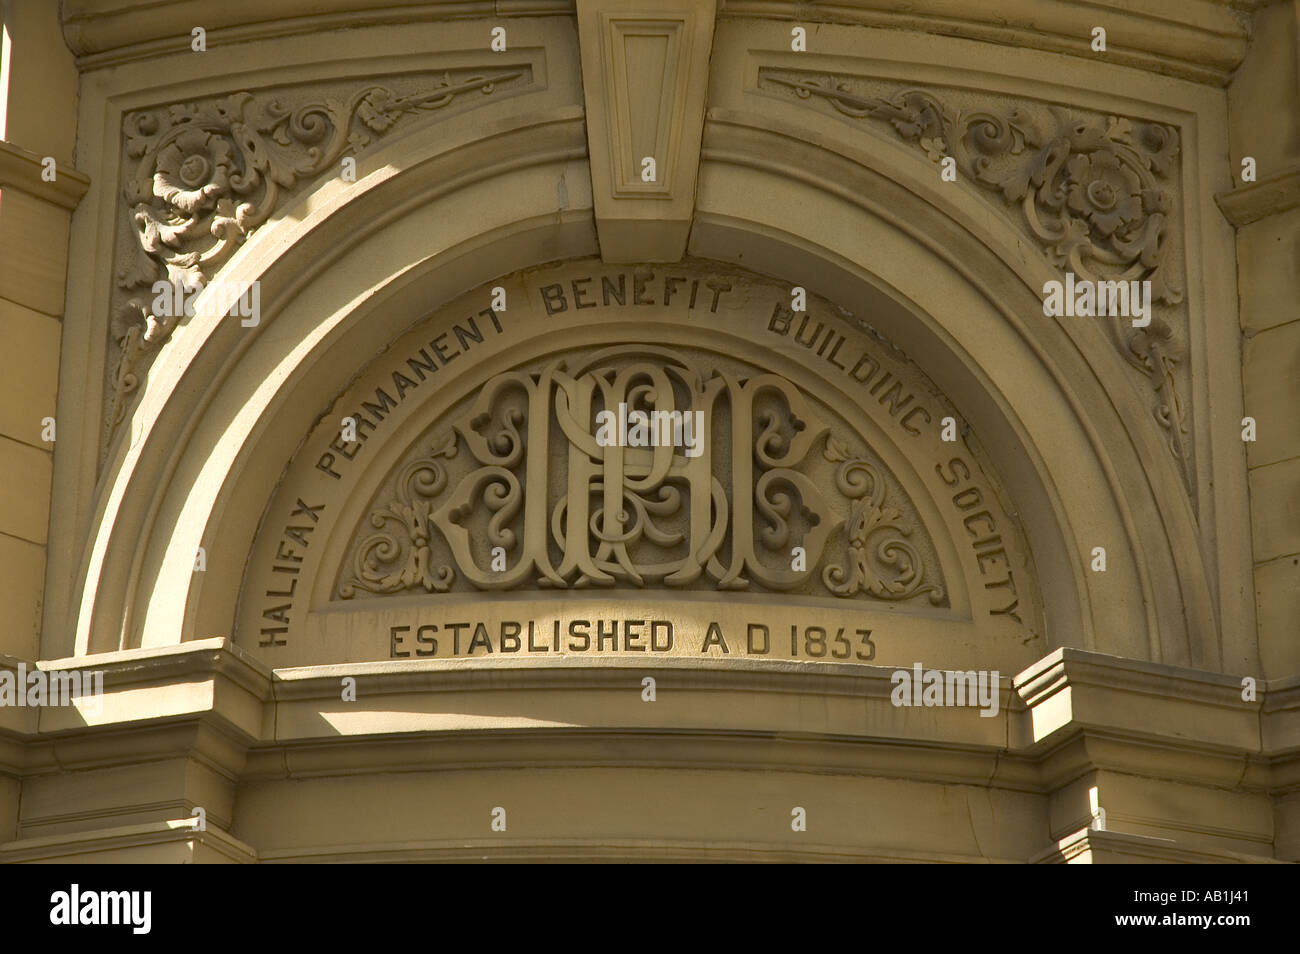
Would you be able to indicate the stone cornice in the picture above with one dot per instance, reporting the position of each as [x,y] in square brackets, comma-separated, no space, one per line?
[212,699]
[1203,41]
[20,169]
[1079,667]
[132,668]
[1138,848]
[1259,200]
[208,679]
[179,833]
[1072,689]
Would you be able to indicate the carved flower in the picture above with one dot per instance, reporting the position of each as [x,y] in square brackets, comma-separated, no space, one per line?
[192,168]
[1104,190]
[378,109]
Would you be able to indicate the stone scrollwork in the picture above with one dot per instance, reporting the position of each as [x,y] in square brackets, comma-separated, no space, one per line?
[861,482]
[202,176]
[722,503]
[1095,193]
[417,485]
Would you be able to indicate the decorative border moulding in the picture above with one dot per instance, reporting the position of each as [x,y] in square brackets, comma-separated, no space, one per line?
[1203,42]
[107,32]
[1100,195]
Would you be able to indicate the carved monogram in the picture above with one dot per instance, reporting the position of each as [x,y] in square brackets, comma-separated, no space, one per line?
[1091,193]
[204,175]
[569,510]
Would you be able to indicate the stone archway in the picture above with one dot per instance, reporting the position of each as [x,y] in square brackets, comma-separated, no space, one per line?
[257,389]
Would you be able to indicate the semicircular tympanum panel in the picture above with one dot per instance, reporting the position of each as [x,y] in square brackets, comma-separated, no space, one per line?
[591,461]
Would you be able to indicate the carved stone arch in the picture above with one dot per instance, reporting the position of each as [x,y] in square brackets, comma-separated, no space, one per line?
[835,448]
[1051,416]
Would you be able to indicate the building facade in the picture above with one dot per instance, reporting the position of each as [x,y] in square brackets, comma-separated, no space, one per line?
[651,430]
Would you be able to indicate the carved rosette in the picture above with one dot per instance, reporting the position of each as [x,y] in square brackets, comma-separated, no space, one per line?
[733,500]
[1095,192]
[202,176]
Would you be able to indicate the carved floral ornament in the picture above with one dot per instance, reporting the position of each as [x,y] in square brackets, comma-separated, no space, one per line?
[1096,193]
[522,472]
[202,176]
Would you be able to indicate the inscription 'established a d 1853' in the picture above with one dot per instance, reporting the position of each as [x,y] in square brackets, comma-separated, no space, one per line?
[599,636]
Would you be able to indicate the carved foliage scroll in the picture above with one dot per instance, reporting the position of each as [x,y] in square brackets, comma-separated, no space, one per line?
[1097,193]
[202,176]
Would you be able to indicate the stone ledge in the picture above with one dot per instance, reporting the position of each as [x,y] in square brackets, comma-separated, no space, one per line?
[1259,200]
[241,709]
[1110,717]
[1113,847]
[20,169]
[1201,41]
[112,845]
[104,32]
[640,851]
[1070,687]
